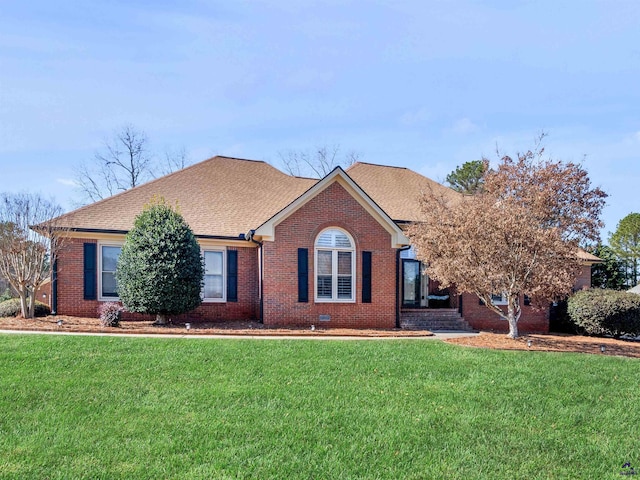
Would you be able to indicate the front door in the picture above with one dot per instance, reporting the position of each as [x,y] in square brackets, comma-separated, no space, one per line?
[410,283]
[415,285]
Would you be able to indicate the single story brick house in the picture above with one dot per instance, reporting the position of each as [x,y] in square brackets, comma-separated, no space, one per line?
[283,250]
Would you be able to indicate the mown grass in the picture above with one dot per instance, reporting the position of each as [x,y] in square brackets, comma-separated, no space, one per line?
[109,408]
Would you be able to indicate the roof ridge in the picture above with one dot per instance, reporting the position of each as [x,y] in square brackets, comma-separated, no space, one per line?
[197,164]
[231,158]
[378,165]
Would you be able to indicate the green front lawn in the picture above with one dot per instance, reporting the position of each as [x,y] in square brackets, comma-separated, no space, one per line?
[107,407]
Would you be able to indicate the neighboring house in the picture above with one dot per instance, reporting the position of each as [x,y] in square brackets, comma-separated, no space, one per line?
[280,249]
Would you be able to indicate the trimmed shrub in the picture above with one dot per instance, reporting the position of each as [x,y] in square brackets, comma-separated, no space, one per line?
[11,308]
[160,269]
[606,312]
[110,314]
[6,295]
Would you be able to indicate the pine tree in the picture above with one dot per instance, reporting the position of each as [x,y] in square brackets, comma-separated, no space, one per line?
[469,178]
[625,242]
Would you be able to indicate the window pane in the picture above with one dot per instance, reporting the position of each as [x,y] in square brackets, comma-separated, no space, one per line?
[324,286]
[110,258]
[333,238]
[325,240]
[213,286]
[344,287]
[324,262]
[109,285]
[344,263]
[213,263]
[341,240]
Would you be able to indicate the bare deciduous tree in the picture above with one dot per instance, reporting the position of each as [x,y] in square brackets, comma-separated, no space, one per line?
[175,160]
[317,163]
[29,244]
[519,236]
[125,162]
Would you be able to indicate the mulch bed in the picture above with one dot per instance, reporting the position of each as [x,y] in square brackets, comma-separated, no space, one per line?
[553,343]
[92,325]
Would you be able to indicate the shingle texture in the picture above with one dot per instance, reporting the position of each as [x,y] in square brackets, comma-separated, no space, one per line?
[221,196]
[397,190]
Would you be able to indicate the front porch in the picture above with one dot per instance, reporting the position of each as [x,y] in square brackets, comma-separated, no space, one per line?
[424,304]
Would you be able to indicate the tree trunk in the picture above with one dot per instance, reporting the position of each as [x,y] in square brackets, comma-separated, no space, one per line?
[513,321]
[32,305]
[161,319]
[24,308]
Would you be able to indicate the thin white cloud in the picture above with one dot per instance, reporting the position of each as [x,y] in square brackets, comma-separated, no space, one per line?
[464,126]
[67,181]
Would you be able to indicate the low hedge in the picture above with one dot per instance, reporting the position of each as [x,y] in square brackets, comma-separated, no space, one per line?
[11,308]
[605,312]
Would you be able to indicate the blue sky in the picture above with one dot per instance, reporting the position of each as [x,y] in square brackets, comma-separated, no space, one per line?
[422,84]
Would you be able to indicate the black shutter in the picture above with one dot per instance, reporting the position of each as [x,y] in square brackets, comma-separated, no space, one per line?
[303,275]
[232,275]
[90,271]
[366,277]
[527,300]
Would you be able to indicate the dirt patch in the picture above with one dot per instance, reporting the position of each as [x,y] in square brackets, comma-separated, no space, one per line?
[553,343]
[92,325]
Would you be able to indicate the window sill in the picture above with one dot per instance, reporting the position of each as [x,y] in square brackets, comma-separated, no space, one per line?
[331,300]
[214,300]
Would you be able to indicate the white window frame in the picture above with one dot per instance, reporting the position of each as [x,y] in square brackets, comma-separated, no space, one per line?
[223,251]
[334,268]
[102,298]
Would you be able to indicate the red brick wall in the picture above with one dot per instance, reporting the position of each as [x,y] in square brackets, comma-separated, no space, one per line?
[584,279]
[334,207]
[71,301]
[532,319]
[44,294]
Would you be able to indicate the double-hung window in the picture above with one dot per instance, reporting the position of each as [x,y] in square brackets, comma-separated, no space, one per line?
[108,260]
[335,266]
[214,267]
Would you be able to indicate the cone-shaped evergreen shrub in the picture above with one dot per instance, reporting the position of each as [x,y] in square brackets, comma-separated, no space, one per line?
[160,268]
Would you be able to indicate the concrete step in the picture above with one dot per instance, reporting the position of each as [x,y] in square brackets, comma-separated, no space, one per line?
[433,319]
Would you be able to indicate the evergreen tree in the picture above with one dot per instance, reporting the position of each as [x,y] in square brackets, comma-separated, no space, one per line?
[160,269]
[611,272]
[625,242]
[469,178]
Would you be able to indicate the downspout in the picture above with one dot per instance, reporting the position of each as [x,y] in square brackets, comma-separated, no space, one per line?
[398,300]
[260,273]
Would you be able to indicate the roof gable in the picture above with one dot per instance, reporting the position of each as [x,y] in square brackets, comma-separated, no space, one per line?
[266,231]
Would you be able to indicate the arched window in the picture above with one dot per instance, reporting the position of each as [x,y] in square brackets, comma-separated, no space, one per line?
[335,266]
